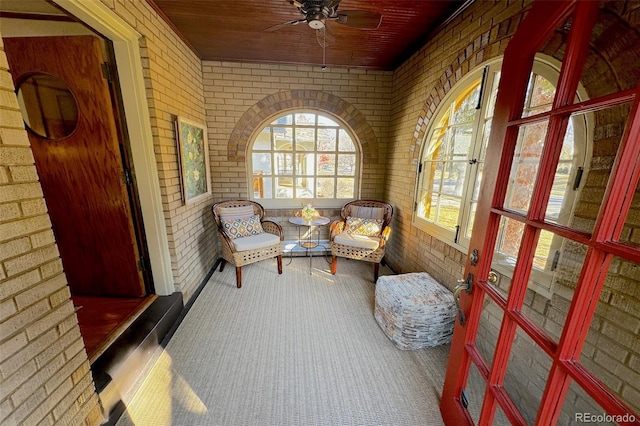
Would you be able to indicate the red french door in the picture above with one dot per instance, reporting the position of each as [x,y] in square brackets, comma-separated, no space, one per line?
[570,355]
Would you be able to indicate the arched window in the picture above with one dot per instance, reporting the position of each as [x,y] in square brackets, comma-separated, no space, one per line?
[304,157]
[453,159]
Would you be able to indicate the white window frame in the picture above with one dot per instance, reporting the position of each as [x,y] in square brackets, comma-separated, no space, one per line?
[294,203]
[541,278]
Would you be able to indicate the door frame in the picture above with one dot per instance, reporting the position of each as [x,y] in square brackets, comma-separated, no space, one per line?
[129,67]
[540,22]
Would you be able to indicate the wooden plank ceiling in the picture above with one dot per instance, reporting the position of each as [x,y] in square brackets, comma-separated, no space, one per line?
[234,30]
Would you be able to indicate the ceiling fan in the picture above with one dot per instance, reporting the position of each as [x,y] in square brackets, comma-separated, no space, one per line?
[316,13]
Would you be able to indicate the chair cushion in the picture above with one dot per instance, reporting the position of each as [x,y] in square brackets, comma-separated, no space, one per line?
[367,212]
[360,226]
[256,241]
[235,212]
[243,227]
[358,241]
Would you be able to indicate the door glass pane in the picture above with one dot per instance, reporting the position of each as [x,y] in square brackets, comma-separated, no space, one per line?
[609,126]
[474,391]
[611,351]
[631,231]
[506,253]
[611,64]
[551,286]
[500,417]
[490,321]
[580,409]
[526,375]
[524,169]
[539,97]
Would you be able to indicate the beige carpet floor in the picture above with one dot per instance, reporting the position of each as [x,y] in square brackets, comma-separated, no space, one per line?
[290,349]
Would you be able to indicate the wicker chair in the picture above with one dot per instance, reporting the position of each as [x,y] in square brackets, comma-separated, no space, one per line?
[243,250]
[369,246]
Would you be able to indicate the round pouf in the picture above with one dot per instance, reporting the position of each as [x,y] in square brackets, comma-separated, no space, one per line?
[414,310]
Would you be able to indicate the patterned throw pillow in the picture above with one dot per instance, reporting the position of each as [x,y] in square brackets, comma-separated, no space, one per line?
[361,226]
[243,227]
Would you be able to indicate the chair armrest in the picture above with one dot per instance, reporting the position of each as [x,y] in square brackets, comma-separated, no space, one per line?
[386,232]
[273,228]
[337,226]
[226,240]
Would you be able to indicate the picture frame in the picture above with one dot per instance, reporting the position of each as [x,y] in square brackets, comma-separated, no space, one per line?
[193,154]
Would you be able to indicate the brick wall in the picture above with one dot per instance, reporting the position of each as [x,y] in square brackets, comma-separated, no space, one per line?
[44,369]
[240,97]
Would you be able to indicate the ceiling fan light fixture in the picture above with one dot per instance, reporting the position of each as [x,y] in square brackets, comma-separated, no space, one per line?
[316,21]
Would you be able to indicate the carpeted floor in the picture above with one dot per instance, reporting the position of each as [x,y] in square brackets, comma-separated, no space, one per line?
[290,349]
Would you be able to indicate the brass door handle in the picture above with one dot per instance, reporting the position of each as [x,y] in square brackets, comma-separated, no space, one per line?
[466,286]
[493,277]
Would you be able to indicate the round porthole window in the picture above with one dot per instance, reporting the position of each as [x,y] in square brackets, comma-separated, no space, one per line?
[48,107]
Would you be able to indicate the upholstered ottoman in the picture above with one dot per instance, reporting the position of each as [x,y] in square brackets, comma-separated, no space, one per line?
[414,310]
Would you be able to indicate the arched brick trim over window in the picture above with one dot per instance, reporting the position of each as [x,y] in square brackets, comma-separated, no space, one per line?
[301,99]
[486,46]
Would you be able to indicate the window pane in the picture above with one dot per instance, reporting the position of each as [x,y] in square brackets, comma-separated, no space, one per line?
[346,164]
[261,164]
[464,107]
[453,178]
[305,164]
[448,211]
[326,188]
[285,119]
[345,143]
[326,164]
[263,140]
[283,138]
[525,166]
[304,188]
[346,188]
[539,96]
[306,118]
[326,139]
[296,150]
[305,139]
[326,121]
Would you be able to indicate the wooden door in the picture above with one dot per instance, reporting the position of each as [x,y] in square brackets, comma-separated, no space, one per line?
[560,376]
[82,175]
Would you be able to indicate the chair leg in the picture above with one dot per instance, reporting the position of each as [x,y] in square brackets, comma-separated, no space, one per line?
[222,263]
[376,270]
[279,263]
[238,276]
[334,264]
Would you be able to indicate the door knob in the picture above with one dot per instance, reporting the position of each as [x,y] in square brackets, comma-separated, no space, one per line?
[466,286]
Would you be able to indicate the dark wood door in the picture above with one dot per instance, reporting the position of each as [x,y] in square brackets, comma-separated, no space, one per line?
[82,175]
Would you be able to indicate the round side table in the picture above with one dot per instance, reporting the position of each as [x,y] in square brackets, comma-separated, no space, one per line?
[308,243]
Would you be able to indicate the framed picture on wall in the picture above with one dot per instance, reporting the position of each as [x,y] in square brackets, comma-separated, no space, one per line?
[193,154]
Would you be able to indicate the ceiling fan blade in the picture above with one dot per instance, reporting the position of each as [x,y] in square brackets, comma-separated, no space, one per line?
[333,3]
[284,24]
[359,19]
[325,37]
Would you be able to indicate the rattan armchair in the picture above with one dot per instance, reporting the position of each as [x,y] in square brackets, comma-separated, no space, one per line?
[256,244]
[368,246]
